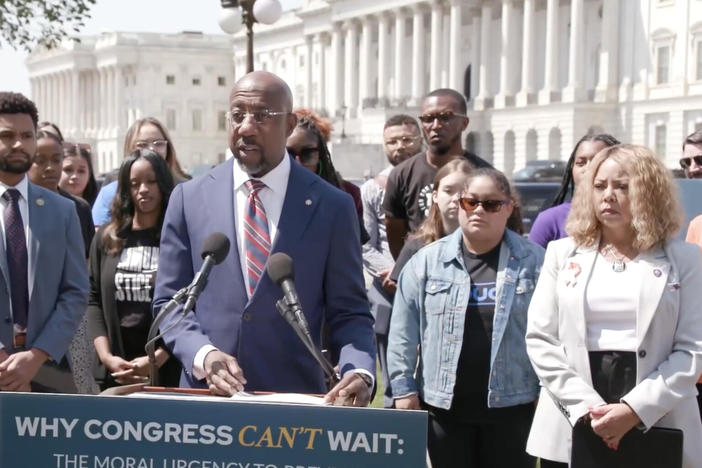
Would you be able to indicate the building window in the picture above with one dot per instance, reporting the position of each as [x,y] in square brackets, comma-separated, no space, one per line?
[698,126]
[221,157]
[170,79]
[170,119]
[221,121]
[197,120]
[660,140]
[221,81]
[698,73]
[302,61]
[196,81]
[662,64]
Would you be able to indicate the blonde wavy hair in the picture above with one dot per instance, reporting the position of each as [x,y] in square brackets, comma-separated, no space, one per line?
[655,210]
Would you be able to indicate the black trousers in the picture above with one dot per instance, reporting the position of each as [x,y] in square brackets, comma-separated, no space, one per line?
[552,464]
[490,444]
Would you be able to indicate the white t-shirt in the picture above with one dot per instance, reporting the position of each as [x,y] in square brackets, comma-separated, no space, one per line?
[611,302]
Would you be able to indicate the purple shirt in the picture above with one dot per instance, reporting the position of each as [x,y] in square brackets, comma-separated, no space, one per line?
[550,225]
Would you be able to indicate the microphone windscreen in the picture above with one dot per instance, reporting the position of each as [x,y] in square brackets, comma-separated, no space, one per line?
[280,267]
[217,245]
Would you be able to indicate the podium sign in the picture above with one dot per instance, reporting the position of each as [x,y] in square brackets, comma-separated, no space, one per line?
[78,431]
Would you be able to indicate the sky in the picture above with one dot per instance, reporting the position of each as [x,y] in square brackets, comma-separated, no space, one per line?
[166,16]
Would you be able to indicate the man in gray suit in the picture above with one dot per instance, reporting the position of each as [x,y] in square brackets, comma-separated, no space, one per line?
[43,274]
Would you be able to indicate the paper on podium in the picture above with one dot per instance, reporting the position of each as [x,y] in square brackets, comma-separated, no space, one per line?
[276,398]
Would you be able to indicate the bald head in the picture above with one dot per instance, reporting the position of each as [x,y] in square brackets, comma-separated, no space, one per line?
[269,86]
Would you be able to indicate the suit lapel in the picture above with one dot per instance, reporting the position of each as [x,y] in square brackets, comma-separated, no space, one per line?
[36,232]
[585,259]
[655,270]
[220,212]
[301,200]
[4,271]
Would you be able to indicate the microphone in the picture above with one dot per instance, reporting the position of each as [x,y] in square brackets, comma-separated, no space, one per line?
[280,270]
[214,251]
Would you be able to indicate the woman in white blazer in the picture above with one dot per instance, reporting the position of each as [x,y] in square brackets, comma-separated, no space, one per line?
[618,286]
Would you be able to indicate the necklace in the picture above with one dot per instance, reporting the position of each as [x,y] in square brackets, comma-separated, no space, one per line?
[618,265]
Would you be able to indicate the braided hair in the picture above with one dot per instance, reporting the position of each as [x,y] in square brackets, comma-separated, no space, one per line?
[567,183]
[325,170]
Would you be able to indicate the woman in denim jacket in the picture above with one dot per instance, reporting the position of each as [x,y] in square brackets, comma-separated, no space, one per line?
[456,345]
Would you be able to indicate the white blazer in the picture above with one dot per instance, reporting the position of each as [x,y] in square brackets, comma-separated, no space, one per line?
[668,354]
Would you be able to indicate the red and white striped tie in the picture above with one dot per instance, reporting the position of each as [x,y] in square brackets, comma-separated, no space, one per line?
[257,241]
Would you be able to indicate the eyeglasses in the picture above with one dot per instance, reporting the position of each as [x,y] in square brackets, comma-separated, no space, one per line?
[305,155]
[153,144]
[406,141]
[444,117]
[685,163]
[491,206]
[261,116]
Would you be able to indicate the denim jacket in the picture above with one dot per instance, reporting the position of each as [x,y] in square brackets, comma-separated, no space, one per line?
[430,311]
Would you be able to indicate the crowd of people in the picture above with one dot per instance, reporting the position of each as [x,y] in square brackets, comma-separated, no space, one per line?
[507,342]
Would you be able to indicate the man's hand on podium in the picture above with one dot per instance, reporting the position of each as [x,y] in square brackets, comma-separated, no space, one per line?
[352,388]
[224,376]
[20,368]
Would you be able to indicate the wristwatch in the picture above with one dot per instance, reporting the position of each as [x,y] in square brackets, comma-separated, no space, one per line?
[366,378]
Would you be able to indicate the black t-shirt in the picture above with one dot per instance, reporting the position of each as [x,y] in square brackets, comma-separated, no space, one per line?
[409,186]
[134,282]
[471,389]
[85,216]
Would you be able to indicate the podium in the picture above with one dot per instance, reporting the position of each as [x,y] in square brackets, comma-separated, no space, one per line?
[189,431]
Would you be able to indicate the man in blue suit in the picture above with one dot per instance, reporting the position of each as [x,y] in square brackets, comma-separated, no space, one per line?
[264,203]
[43,274]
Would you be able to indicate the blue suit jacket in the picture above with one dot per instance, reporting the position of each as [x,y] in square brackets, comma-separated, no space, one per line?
[318,229]
[58,288]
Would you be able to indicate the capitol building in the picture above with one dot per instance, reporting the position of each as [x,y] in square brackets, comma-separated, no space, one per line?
[537,74]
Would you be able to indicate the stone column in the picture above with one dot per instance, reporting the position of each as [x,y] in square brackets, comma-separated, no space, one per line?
[418,55]
[484,75]
[351,69]
[574,91]
[526,93]
[437,16]
[309,55]
[503,97]
[383,76]
[365,62]
[337,90]
[119,114]
[76,106]
[102,102]
[550,89]
[322,71]
[400,55]
[607,84]
[455,45]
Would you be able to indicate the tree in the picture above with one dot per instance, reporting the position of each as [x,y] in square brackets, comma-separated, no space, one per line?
[30,23]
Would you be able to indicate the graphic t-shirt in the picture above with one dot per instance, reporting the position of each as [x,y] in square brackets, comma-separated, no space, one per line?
[409,187]
[470,392]
[134,284]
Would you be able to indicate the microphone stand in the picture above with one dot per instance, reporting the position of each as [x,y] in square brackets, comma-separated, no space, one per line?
[287,313]
[153,335]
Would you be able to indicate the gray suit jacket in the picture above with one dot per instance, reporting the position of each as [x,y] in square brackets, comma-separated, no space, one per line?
[58,285]
[668,353]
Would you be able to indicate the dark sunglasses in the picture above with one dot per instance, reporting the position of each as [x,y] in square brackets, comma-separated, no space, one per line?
[444,117]
[491,206]
[685,163]
[305,155]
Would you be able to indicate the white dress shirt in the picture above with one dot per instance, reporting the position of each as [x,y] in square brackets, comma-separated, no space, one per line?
[23,188]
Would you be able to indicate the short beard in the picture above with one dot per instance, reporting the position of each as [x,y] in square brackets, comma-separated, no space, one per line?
[15,168]
[252,171]
[445,148]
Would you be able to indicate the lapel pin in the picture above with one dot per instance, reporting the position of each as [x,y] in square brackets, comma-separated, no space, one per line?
[40,202]
[657,273]
[308,202]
